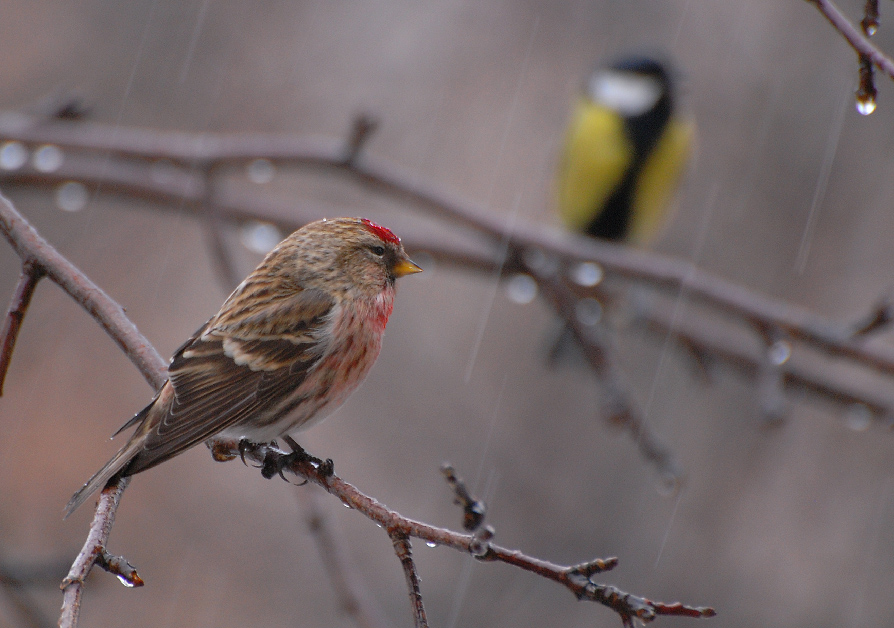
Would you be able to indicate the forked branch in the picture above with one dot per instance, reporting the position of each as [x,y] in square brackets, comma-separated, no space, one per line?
[30,246]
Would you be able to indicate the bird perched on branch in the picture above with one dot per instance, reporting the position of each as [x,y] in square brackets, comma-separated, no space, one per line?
[287,347]
[626,148]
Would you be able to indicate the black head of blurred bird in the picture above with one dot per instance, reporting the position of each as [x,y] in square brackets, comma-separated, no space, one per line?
[626,148]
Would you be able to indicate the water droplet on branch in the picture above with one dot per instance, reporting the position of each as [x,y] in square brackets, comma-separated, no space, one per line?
[858,417]
[72,196]
[588,311]
[261,171]
[779,352]
[47,158]
[260,237]
[587,274]
[866,92]
[866,105]
[13,155]
[521,289]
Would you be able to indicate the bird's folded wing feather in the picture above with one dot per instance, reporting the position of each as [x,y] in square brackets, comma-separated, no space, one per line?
[237,367]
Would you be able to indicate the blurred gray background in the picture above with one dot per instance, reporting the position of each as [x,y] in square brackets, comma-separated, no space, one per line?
[789,527]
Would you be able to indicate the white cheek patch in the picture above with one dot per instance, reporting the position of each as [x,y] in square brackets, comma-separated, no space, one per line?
[629,94]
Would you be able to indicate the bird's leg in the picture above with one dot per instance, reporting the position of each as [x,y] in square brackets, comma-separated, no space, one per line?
[275,462]
[244,444]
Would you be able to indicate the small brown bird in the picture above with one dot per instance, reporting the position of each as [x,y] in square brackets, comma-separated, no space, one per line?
[288,346]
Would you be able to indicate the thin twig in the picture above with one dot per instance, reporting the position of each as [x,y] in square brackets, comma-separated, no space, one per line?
[119,566]
[354,597]
[29,245]
[73,584]
[809,375]
[214,227]
[878,319]
[575,578]
[405,555]
[854,37]
[617,402]
[21,299]
[474,509]
[362,130]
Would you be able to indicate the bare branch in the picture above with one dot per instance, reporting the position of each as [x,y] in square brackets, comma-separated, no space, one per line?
[352,594]
[617,402]
[21,299]
[857,40]
[362,129]
[473,508]
[879,318]
[119,566]
[575,578]
[30,246]
[214,226]
[405,555]
[183,187]
[73,585]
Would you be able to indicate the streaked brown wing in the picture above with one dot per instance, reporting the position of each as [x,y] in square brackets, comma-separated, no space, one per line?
[220,380]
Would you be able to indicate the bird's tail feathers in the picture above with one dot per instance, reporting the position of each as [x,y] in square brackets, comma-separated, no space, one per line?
[101,477]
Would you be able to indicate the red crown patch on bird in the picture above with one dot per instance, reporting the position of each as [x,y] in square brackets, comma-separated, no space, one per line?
[385,234]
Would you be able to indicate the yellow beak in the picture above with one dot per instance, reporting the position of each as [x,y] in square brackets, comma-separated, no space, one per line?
[405,267]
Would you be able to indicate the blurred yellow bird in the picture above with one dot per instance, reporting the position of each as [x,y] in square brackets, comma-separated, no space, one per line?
[626,149]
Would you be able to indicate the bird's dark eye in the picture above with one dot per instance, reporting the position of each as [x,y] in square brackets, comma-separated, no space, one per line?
[378,250]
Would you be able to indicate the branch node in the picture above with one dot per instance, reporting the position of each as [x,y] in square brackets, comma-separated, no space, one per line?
[591,568]
[119,566]
[480,547]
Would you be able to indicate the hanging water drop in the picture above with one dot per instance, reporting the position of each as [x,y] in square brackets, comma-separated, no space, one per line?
[260,237]
[779,352]
[521,289]
[869,23]
[587,274]
[866,104]
[261,171]
[431,543]
[125,581]
[539,262]
[668,483]
[72,196]
[47,158]
[858,417]
[866,91]
[13,155]
[588,311]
